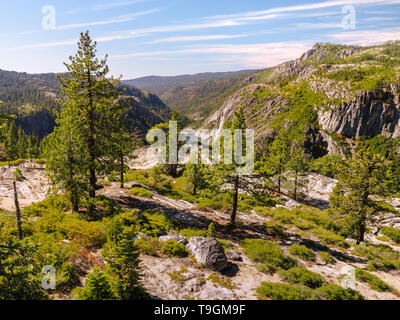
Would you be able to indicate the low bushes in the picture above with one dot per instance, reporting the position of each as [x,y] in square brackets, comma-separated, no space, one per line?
[148,246]
[173,248]
[281,291]
[392,233]
[336,292]
[303,276]
[193,232]
[269,254]
[326,257]
[302,252]
[373,281]
[141,192]
[380,257]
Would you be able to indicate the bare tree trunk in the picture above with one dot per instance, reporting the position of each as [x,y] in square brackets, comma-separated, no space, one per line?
[18,212]
[296,181]
[235,201]
[122,171]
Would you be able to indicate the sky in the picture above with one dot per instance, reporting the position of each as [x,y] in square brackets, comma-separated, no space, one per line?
[155,37]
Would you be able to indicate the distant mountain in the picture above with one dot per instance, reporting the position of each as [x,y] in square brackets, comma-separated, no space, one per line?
[195,96]
[34,98]
[160,84]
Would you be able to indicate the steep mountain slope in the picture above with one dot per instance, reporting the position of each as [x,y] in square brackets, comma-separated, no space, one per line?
[333,89]
[195,96]
[34,98]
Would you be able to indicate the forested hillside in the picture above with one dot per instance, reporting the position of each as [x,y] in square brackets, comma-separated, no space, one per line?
[33,98]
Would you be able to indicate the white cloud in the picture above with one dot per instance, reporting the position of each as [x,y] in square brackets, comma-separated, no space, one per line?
[115,4]
[367,37]
[249,55]
[123,18]
[197,38]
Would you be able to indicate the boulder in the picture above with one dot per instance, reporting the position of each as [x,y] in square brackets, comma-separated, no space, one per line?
[234,256]
[178,238]
[209,252]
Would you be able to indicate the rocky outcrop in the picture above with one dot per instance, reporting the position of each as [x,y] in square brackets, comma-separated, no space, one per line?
[208,252]
[369,114]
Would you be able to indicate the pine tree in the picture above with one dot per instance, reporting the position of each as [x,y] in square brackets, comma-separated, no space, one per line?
[89,107]
[64,158]
[97,287]
[297,167]
[196,174]
[122,257]
[352,201]
[19,275]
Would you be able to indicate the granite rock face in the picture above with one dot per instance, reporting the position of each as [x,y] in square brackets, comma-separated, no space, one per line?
[368,114]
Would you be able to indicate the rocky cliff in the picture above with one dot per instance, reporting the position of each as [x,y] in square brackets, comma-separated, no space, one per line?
[353,90]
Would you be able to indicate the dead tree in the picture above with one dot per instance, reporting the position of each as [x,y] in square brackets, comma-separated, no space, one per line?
[18,212]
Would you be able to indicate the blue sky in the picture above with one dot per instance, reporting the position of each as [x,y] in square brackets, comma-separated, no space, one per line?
[154,37]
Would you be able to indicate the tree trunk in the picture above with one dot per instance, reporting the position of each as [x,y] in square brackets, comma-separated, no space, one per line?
[18,213]
[194,189]
[235,201]
[360,232]
[122,171]
[296,181]
[91,144]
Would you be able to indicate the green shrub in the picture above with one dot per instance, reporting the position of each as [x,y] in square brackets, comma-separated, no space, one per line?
[58,202]
[150,222]
[275,230]
[392,233]
[302,252]
[221,280]
[85,233]
[373,281]
[173,248]
[97,287]
[18,174]
[330,238]
[328,165]
[380,257]
[193,232]
[14,163]
[280,291]
[303,276]
[326,257]
[336,292]
[211,232]
[141,192]
[148,246]
[269,254]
